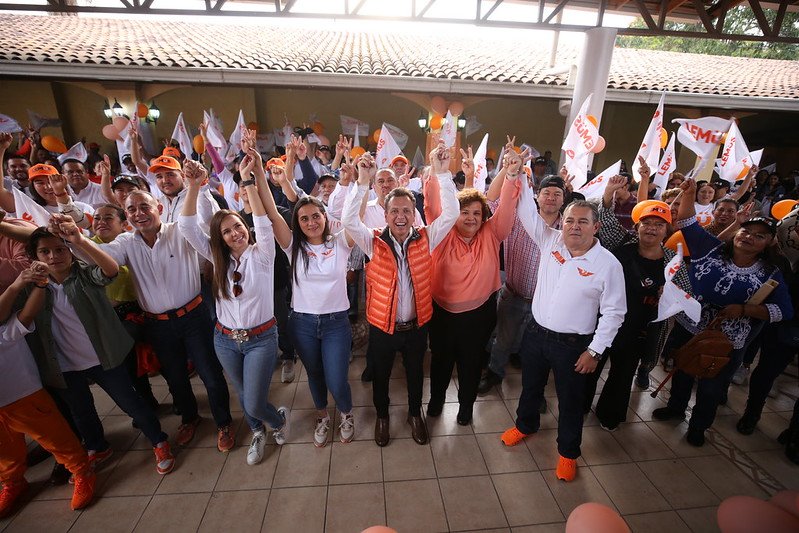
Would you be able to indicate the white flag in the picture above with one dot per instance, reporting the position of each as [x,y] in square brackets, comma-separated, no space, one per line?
[650,146]
[77,152]
[596,187]
[356,139]
[756,156]
[125,145]
[674,299]
[39,121]
[472,125]
[349,124]
[480,170]
[9,125]
[668,164]
[400,136]
[418,158]
[27,209]
[213,132]
[701,135]
[235,137]
[387,148]
[449,130]
[582,137]
[735,159]
[181,135]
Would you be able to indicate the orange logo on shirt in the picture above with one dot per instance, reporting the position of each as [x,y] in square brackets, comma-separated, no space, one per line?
[558,257]
[584,273]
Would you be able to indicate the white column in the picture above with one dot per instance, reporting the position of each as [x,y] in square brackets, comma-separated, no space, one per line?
[592,74]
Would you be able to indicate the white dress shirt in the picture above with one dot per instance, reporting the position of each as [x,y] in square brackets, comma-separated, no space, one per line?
[166,276]
[19,375]
[572,291]
[364,237]
[255,305]
[92,194]
[206,207]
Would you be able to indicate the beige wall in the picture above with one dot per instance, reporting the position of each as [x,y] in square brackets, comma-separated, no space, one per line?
[18,96]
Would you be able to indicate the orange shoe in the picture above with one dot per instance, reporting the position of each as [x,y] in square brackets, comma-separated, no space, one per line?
[9,495]
[225,441]
[567,469]
[84,490]
[513,436]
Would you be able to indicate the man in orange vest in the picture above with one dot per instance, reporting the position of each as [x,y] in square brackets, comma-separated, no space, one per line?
[398,294]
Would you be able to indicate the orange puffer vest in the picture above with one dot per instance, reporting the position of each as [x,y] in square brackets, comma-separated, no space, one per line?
[381,280]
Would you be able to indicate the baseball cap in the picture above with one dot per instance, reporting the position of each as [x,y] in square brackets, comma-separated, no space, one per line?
[651,208]
[275,161]
[171,151]
[399,158]
[164,161]
[768,222]
[327,177]
[125,178]
[42,170]
[553,181]
[540,161]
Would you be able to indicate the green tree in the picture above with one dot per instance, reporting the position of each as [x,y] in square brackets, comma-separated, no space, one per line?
[739,20]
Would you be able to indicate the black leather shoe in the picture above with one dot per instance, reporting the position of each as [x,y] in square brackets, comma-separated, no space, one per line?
[418,429]
[695,437]
[464,417]
[747,424]
[381,431]
[59,475]
[664,413]
[435,407]
[366,375]
[488,381]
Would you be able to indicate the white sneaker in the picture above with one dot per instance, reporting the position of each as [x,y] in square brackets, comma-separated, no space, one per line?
[347,427]
[741,375]
[256,452]
[320,433]
[287,372]
[282,434]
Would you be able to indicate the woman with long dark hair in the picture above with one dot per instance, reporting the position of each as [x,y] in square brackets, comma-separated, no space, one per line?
[724,276]
[245,337]
[318,249]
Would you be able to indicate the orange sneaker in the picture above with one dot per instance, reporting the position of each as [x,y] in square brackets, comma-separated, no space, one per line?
[164,460]
[225,441]
[84,490]
[186,432]
[567,469]
[513,436]
[9,495]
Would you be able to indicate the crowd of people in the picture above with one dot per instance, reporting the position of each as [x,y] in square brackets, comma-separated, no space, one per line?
[233,266]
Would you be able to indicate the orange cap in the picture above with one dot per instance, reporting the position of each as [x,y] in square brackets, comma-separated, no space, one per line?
[651,208]
[164,161]
[275,162]
[399,158]
[42,170]
[171,151]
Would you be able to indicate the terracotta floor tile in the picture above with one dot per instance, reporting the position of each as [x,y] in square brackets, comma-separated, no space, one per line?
[302,465]
[403,459]
[415,506]
[356,462]
[299,509]
[354,507]
[457,455]
[240,511]
[471,503]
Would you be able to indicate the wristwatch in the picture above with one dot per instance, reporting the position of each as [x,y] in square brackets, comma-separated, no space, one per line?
[594,354]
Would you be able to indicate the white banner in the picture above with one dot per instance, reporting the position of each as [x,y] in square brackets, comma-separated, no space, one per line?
[735,160]
[674,299]
[348,125]
[238,132]
[472,125]
[596,187]
[400,136]
[667,165]
[27,209]
[77,152]
[582,137]
[480,170]
[213,132]
[181,135]
[702,135]
[650,146]
[449,130]
[9,125]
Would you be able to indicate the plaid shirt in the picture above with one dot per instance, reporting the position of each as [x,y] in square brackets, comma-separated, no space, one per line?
[522,257]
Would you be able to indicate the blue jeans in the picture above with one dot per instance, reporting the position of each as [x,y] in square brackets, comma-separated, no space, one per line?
[116,382]
[324,344]
[540,352]
[173,340]
[513,315]
[249,366]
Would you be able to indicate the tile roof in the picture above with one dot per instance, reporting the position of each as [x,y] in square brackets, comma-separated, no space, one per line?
[157,43]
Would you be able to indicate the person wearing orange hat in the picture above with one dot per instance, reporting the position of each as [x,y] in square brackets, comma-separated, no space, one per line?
[643,258]
[399,165]
[168,173]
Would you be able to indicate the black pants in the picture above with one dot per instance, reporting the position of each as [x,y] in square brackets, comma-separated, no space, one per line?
[460,338]
[136,331]
[383,347]
[281,307]
[774,357]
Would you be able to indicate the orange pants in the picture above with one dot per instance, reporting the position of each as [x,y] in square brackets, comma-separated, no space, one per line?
[38,416]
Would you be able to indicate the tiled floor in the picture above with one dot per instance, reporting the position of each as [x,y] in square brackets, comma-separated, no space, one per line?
[465,479]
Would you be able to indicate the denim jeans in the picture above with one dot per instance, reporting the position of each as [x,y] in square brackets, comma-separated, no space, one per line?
[540,353]
[324,343]
[173,340]
[513,315]
[117,384]
[249,366]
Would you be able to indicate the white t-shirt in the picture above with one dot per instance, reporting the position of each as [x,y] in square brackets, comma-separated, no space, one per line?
[704,213]
[19,375]
[322,288]
[73,347]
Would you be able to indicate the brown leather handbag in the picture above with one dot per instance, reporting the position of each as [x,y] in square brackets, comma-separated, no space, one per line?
[706,353]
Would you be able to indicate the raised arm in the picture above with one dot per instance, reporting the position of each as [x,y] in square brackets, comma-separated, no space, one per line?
[65,204]
[136,150]
[350,216]
[216,159]
[188,222]
[439,164]
[431,189]
[36,276]
[103,168]
[467,165]
[6,196]
[611,233]
[501,222]
[69,231]
[750,176]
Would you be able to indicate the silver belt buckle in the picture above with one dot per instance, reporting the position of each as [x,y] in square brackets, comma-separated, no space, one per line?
[239,335]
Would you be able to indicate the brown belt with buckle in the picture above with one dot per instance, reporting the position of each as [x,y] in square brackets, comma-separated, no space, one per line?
[405,326]
[243,335]
[176,313]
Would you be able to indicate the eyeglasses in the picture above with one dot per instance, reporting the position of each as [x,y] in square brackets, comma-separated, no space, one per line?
[237,290]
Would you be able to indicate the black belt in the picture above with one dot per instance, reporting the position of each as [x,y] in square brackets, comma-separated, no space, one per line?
[405,326]
[565,338]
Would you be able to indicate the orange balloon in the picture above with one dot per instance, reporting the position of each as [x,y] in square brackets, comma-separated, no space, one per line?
[436,122]
[52,143]
[739,514]
[595,518]
[456,109]
[318,128]
[376,135]
[781,209]
[664,138]
[253,126]
[438,105]
[787,500]
[517,149]
[599,146]
[142,110]
[357,151]
[592,119]
[379,529]
[198,144]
